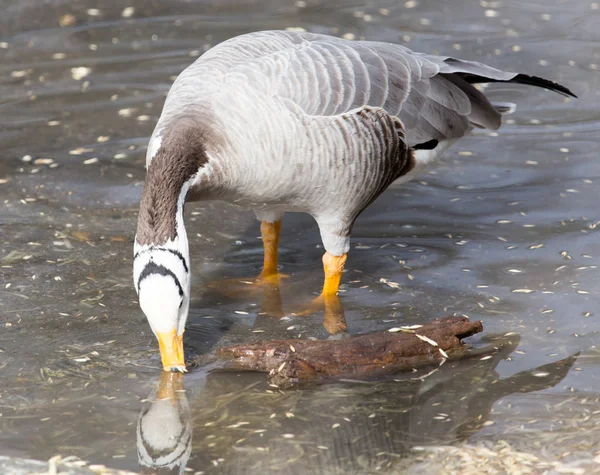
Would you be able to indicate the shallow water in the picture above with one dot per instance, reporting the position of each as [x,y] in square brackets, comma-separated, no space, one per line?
[503,230]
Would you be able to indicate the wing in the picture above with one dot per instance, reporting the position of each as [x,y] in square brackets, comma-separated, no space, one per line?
[433,96]
[325,75]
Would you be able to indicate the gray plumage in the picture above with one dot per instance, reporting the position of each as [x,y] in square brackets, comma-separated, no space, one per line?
[295,121]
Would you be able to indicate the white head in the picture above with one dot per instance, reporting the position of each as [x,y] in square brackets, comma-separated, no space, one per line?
[161,279]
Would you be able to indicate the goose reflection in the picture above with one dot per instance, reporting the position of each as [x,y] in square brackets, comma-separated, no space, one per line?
[272,306]
[334,319]
[355,427]
[164,430]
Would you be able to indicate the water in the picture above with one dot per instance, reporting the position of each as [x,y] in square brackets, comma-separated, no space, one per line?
[503,230]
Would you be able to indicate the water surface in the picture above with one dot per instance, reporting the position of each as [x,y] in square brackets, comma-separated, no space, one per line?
[503,230]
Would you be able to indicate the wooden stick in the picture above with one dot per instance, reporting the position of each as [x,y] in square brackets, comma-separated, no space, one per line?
[366,356]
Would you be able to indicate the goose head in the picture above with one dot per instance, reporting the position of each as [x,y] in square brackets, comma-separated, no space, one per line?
[161,264]
[161,278]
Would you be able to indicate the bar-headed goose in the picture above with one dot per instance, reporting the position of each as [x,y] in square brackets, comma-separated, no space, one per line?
[282,121]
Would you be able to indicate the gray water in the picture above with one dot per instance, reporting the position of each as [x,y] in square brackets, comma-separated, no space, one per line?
[503,230]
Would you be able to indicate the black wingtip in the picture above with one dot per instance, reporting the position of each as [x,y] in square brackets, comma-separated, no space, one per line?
[541,82]
[523,79]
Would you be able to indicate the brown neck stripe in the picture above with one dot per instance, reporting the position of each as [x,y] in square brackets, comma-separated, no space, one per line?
[181,154]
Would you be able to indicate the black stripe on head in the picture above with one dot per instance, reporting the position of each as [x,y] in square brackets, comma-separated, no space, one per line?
[152,268]
[172,251]
[178,254]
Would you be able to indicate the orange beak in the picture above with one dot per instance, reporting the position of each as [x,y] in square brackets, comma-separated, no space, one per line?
[171,351]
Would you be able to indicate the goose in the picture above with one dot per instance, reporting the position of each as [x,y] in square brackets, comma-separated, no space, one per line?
[278,121]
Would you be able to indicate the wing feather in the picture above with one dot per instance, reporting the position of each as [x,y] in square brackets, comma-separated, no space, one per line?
[323,75]
[330,76]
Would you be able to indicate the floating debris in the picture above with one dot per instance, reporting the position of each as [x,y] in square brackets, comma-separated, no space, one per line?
[21,74]
[389,283]
[80,72]
[426,339]
[400,329]
[128,12]
[127,112]
[43,161]
[67,20]
[540,374]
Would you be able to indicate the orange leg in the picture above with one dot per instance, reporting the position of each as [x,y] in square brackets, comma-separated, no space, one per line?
[270,237]
[334,320]
[269,274]
[333,266]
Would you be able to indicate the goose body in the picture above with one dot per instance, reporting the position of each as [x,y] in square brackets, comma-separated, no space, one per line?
[282,121]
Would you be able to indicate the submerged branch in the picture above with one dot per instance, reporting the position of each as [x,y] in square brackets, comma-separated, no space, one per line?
[366,356]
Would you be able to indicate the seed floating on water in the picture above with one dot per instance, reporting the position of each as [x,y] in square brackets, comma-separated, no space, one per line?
[389,283]
[128,12]
[80,72]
